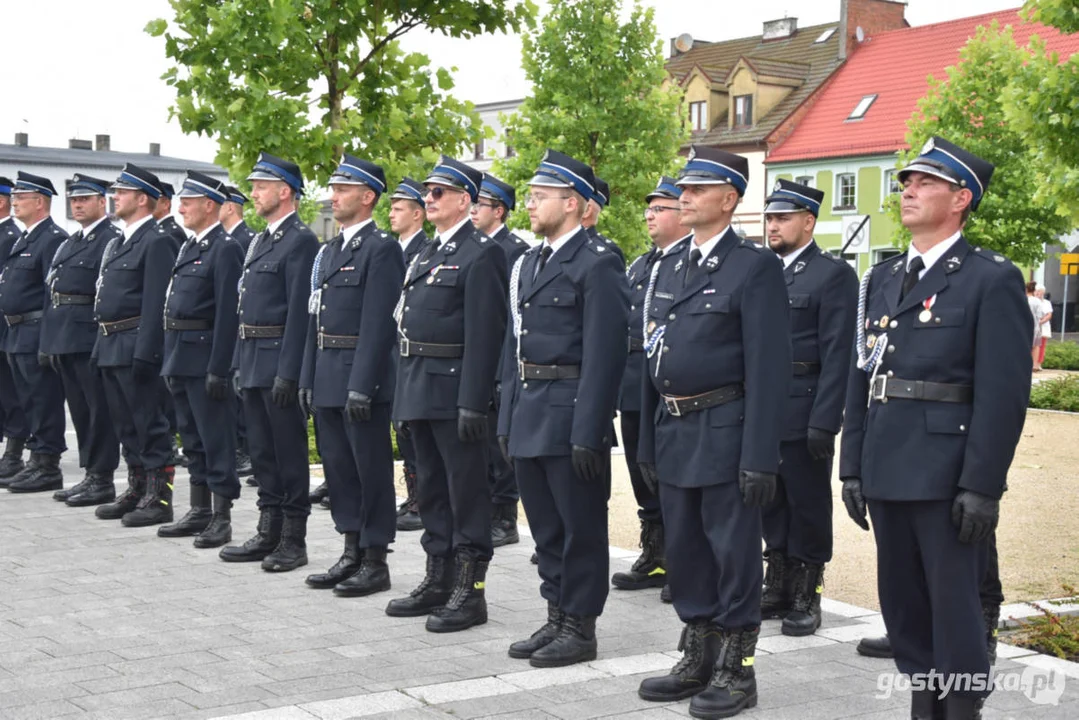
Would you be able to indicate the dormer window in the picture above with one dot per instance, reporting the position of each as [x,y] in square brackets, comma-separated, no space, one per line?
[743,111]
[698,116]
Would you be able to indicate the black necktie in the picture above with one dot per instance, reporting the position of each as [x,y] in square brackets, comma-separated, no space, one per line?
[545,254]
[911,278]
[432,248]
[694,265]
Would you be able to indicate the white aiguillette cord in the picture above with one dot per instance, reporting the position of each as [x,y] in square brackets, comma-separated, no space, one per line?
[868,359]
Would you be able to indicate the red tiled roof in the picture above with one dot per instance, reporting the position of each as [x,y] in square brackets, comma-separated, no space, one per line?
[895,66]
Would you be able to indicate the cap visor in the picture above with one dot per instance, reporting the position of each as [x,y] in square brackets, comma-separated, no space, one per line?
[783,206]
[263,175]
[927,170]
[548,181]
[701,180]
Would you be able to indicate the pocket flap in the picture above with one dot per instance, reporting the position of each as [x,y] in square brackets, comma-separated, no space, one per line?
[948,421]
[945,317]
[557,298]
[799,301]
[443,278]
[562,396]
[710,304]
[267,266]
[446,367]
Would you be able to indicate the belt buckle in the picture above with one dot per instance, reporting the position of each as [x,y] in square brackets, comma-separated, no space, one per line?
[7,319]
[55,300]
[104,329]
[521,370]
[672,406]
[403,347]
[879,389]
[243,333]
[321,341]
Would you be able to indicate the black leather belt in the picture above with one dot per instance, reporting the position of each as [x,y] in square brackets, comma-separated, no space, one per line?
[636,344]
[177,324]
[885,387]
[549,372]
[805,368]
[249,332]
[337,341]
[414,348]
[13,320]
[678,406]
[111,328]
[59,299]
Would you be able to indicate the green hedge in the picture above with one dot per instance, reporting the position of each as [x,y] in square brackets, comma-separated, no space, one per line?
[312,453]
[1059,394]
[1061,356]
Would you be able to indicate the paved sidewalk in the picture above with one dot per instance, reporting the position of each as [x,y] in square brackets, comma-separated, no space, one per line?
[102,621]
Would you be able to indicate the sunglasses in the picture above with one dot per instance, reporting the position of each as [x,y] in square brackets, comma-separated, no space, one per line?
[438,191]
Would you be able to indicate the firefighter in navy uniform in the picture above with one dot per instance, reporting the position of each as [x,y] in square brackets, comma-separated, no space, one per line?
[274,291]
[451,319]
[232,219]
[12,419]
[129,350]
[601,195]
[717,338]
[347,380]
[23,294]
[68,333]
[200,338]
[662,215]
[165,220]
[823,292]
[935,408]
[406,219]
[564,354]
[489,213]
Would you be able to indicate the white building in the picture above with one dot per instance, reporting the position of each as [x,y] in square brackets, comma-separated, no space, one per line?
[95,159]
[487,150]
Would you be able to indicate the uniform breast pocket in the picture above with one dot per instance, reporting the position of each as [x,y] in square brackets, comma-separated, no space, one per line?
[941,335]
[444,278]
[799,302]
[345,279]
[557,298]
[708,311]
[193,273]
[267,266]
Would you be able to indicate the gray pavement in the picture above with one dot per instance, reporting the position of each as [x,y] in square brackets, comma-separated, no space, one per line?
[102,621]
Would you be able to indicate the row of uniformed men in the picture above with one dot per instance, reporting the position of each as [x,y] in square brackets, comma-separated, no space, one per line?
[746,358]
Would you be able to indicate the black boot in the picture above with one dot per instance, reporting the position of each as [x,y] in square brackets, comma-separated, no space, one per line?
[649,569]
[665,594]
[467,606]
[243,464]
[734,685]
[345,567]
[700,644]
[48,477]
[28,471]
[316,495]
[534,559]
[991,615]
[776,596]
[252,481]
[373,575]
[11,463]
[876,647]
[804,617]
[291,552]
[408,515]
[504,525]
[219,531]
[523,649]
[925,705]
[155,507]
[102,490]
[267,535]
[574,643]
[81,486]
[962,707]
[129,498]
[325,503]
[196,519]
[433,591]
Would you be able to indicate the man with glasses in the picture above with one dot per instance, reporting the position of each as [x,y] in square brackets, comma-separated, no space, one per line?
[489,213]
[12,419]
[450,322]
[564,356]
[662,217]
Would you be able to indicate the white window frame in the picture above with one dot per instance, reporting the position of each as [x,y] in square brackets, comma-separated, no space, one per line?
[698,121]
[734,111]
[807,180]
[825,36]
[885,184]
[864,104]
[837,196]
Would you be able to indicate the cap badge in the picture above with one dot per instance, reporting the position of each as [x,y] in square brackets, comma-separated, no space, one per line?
[929,146]
[778,186]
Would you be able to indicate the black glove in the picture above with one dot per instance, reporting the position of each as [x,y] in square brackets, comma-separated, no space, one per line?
[44,360]
[168,383]
[504,446]
[649,476]
[498,395]
[403,430]
[821,444]
[144,371]
[975,515]
[217,387]
[471,425]
[587,463]
[306,397]
[283,392]
[236,383]
[758,488]
[855,502]
[358,407]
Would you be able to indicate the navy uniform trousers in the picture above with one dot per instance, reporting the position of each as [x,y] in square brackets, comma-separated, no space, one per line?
[279,436]
[206,428]
[799,521]
[135,409]
[500,474]
[41,394]
[648,506]
[12,418]
[99,448]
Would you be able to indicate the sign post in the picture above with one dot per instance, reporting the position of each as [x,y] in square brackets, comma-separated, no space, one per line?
[1069,265]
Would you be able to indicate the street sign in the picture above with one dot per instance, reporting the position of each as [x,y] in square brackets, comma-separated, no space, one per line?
[1069,263]
[855,234]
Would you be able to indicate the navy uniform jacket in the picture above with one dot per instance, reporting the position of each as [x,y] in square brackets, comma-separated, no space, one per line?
[243,235]
[637,276]
[457,295]
[275,288]
[978,335]
[823,294]
[75,268]
[134,275]
[360,285]
[9,233]
[728,326]
[573,313]
[203,287]
[170,226]
[22,284]
[608,243]
[513,246]
[416,243]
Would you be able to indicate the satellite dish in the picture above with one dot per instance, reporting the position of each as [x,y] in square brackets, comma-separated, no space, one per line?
[859,33]
[684,42]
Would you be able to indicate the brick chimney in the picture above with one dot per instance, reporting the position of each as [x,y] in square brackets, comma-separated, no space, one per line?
[101,142]
[872,16]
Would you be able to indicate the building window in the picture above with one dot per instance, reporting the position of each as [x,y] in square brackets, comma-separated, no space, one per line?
[824,36]
[478,150]
[807,180]
[844,191]
[861,108]
[511,151]
[891,182]
[698,116]
[743,110]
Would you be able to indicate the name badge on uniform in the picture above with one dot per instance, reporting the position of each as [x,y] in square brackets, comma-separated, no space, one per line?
[314,302]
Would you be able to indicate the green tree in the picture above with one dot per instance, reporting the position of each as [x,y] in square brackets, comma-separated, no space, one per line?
[966,109]
[598,94]
[1042,102]
[309,79]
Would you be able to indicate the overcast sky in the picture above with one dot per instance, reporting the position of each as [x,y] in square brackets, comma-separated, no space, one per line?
[100,73]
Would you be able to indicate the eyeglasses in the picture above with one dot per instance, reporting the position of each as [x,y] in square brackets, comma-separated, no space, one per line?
[658,210]
[537,199]
[438,191]
[486,205]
